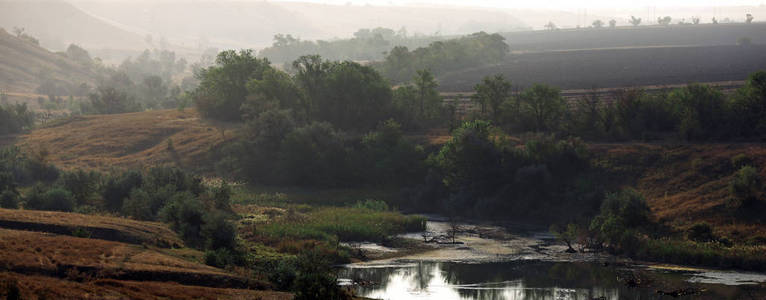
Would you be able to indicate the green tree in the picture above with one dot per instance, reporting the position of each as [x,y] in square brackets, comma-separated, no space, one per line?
[472,155]
[356,98]
[749,106]
[110,100]
[428,96]
[223,87]
[746,187]
[702,111]
[492,92]
[543,107]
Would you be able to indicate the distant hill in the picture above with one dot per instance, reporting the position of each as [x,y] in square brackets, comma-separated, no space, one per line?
[252,24]
[25,65]
[57,23]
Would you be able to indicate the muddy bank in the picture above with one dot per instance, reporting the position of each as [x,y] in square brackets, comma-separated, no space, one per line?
[472,243]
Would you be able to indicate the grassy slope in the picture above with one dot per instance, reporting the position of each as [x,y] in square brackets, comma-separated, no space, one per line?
[101,227]
[41,287]
[685,184]
[132,140]
[22,63]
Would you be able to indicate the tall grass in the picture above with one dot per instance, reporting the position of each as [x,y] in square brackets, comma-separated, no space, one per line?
[711,254]
[344,224]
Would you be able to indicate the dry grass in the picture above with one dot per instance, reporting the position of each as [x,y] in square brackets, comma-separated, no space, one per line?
[685,184]
[81,259]
[132,140]
[101,227]
[40,287]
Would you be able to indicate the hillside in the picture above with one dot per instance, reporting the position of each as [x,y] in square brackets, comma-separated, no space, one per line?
[599,68]
[252,24]
[131,140]
[24,65]
[57,23]
[53,264]
[686,183]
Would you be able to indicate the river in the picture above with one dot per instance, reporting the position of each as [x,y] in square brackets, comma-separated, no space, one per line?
[492,263]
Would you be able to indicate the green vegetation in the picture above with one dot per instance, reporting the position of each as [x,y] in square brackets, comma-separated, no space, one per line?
[694,113]
[479,48]
[366,45]
[15,118]
[343,224]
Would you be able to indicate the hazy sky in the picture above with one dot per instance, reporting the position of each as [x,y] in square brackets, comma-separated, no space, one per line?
[552,4]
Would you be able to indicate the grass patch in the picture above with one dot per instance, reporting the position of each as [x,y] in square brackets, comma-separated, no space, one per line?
[710,254]
[343,224]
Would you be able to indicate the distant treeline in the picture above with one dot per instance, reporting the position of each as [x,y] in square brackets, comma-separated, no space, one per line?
[696,112]
[366,45]
[477,49]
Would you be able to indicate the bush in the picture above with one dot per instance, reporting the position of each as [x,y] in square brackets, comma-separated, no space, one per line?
[138,205]
[741,160]
[315,279]
[746,187]
[9,199]
[81,184]
[220,258]
[700,232]
[57,199]
[219,232]
[185,214]
[118,187]
[374,205]
[283,275]
[622,214]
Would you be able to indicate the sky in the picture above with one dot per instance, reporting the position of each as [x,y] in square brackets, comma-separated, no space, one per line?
[551,4]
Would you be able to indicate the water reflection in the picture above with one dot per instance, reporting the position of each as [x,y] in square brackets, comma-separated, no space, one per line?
[518,280]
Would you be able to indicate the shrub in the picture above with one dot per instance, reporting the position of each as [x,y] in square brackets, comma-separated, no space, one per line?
[315,279]
[621,215]
[741,160]
[9,199]
[185,214]
[222,257]
[58,199]
[746,187]
[283,275]
[218,231]
[700,232]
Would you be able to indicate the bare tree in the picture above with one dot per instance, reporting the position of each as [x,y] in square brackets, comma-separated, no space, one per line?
[454,228]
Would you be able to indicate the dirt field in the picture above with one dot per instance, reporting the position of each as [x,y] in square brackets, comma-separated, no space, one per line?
[641,36]
[586,69]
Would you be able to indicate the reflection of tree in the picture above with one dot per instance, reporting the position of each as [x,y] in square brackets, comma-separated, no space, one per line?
[424,273]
